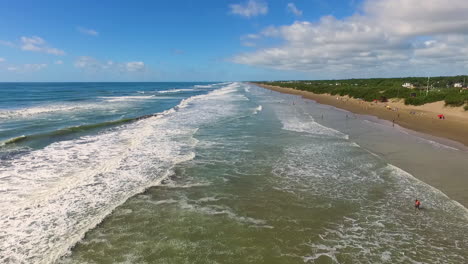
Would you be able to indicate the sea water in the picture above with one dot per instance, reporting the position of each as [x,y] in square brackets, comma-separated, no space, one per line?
[206,173]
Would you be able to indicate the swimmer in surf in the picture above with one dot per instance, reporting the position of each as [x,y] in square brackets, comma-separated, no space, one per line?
[417,204]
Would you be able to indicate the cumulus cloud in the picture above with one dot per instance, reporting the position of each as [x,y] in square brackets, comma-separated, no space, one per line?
[250,9]
[2,59]
[87,31]
[293,9]
[39,45]
[386,35]
[414,17]
[93,65]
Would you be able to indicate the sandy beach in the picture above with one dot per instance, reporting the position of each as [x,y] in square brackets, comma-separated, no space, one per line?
[422,119]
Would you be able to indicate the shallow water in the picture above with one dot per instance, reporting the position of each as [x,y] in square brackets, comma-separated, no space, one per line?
[239,175]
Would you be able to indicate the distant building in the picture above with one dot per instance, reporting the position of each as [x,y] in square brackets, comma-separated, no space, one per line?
[408,85]
[458,85]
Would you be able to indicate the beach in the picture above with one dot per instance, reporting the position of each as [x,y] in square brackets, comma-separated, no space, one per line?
[442,169]
[423,119]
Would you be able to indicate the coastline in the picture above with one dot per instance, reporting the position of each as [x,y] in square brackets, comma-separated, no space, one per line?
[422,119]
[448,175]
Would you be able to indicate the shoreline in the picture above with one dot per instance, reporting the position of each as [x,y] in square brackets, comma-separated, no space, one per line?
[414,118]
[448,176]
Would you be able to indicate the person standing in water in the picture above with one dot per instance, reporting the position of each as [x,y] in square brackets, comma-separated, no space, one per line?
[417,204]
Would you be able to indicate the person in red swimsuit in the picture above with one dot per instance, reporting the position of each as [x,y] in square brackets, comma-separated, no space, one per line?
[417,204]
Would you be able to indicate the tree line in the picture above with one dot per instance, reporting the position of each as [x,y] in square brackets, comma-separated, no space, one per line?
[424,91]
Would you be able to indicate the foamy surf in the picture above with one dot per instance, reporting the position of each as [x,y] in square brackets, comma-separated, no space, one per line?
[231,186]
[128,98]
[176,91]
[293,120]
[257,109]
[68,187]
[73,108]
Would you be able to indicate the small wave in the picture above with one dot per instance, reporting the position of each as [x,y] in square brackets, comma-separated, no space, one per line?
[257,109]
[407,179]
[57,193]
[33,111]
[203,86]
[127,98]
[294,123]
[73,129]
[437,144]
[222,210]
[82,128]
[176,91]
[12,140]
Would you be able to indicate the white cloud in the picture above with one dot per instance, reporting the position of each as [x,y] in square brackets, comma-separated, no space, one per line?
[93,65]
[34,67]
[388,35]
[250,9]
[293,9]
[88,31]
[2,59]
[415,17]
[27,67]
[7,43]
[86,62]
[249,40]
[134,66]
[58,62]
[39,45]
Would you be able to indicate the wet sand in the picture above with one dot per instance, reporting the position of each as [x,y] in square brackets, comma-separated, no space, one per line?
[418,118]
[441,167]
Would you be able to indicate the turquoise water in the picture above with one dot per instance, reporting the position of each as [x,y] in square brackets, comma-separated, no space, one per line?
[232,174]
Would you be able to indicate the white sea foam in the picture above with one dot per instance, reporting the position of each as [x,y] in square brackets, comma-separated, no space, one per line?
[128,98]
[221,211]
[436,144]
[382,229]
[257,109]
[383,225]
[420,138]
[111,104]
[176,91]
[294,119]
[203,86]
[38,110]
[50,197]
[106,103]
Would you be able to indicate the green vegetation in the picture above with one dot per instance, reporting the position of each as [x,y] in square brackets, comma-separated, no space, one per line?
[466,107]
[422,91]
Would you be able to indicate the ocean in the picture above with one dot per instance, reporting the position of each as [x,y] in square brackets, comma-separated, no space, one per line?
[213,173]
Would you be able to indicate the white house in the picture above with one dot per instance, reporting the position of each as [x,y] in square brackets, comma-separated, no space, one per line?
[408,85]
[458,85]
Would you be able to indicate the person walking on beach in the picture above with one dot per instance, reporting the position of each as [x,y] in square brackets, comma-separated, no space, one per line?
[417,204]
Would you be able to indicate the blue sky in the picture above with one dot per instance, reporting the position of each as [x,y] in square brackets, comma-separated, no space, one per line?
[218,40]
